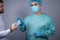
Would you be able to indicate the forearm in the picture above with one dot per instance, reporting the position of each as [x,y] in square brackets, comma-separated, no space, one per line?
[4,33]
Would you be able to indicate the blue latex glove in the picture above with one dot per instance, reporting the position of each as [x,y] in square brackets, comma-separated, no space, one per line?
[19,21]
[20,24]
[38,34]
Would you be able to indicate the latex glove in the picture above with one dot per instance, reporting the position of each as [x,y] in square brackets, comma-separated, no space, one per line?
[38,34]
[19,21]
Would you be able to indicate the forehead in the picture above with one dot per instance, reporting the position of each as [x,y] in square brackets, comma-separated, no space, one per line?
[34,3]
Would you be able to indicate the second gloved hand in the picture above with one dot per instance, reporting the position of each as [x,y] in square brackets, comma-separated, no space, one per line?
[38,34]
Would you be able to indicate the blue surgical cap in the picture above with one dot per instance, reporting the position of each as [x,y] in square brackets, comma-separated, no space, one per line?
[38,1]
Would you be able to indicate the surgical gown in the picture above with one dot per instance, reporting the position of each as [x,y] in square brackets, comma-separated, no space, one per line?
[43,24]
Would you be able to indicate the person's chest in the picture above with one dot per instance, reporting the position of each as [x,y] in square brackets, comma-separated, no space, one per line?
[35,24]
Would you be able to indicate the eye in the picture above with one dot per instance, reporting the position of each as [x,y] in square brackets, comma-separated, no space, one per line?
[31,5]
[36,4]
[1,6]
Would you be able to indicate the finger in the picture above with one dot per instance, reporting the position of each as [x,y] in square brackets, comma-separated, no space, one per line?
[14,24]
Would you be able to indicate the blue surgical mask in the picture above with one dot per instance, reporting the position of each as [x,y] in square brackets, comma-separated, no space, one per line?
[35,9]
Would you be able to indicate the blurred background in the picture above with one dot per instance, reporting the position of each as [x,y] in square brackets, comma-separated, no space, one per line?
[21,8]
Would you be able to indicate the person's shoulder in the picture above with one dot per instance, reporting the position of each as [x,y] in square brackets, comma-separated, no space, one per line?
[46,15]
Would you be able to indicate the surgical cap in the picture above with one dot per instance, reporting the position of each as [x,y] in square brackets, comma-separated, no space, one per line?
[38,1]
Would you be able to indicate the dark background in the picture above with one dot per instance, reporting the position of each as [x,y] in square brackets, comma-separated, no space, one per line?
[21,8]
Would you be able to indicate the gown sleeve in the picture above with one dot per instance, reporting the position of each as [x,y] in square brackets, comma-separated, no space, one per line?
[4,33]
[49,31]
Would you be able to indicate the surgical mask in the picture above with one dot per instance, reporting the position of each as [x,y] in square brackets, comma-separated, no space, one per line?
[36,9]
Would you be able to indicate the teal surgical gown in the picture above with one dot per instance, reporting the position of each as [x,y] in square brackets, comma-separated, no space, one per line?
[43,24]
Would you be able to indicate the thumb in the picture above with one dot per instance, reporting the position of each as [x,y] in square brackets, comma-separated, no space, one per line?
[14,24]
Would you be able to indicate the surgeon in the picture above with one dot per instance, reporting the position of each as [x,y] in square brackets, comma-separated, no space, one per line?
[38,26]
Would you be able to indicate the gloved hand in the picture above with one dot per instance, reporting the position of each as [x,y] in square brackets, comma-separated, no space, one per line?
[19,21]
[38,34]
